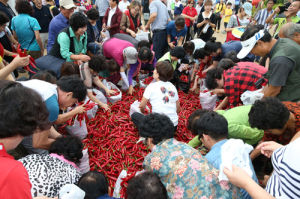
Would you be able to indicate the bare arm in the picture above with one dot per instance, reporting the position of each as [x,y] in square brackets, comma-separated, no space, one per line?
[180,41]
[15,35]
[62,118]
[177,106]
[186,16]
[39,41]
[214,65]
[270,18]
[43,140]
[13,40]
[223,104]
[254,22]
[272,91]
[143,104]
[151,19]
[17,62]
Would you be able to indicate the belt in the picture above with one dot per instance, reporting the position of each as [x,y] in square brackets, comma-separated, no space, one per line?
[159,30]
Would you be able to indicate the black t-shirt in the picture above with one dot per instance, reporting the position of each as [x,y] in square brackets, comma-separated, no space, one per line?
[210,32]
[44,17]
[54,10]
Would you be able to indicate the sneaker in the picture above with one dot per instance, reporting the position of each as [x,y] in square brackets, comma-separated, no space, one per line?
[224,32]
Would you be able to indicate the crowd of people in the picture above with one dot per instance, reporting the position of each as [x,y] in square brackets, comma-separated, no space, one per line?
[77,44]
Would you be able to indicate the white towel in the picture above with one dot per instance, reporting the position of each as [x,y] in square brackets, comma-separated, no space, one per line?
[236,152]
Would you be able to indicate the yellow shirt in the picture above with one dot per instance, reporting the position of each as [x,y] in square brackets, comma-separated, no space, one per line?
[220,8]
[227,12]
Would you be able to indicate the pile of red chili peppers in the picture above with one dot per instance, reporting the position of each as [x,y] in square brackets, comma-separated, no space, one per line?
[112,137]
[117,92]
[184,78]
[148,80]
[24,54]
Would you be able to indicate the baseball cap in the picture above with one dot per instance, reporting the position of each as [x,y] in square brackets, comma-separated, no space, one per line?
[131,55]
[93,48]
[248,8]
[249,44]
[67,4]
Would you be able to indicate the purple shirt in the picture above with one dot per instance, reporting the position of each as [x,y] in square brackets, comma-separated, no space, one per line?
[134,66]
[58,23]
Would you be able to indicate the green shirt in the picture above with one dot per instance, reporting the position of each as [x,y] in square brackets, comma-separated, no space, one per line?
[282,21]
[167,56]
[238,126]
[64,42]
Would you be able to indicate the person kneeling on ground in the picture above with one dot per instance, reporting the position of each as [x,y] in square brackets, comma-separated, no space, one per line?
[146,185]
[162,94]
[175,161]
[16,124]
[214,137]
[95,185]
[89,74]
[235,81]
[146,62]
[49,173]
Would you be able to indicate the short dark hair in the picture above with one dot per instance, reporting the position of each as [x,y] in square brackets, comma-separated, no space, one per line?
[23,111]
[226,64]
[200,53]
[178,52]
[146,185]
[93,14]
[45,75]
[229,3]
[157,126]
[24,7]
[232,55]
[144,43]
[69,68]
[211,46]
[113,66]
[98,63]
[145,54]
[68,146]
[165,70]
[274,1]
[269,113]
[73,84]
[211,75]
[193,118]
[117,1]
[252,30]
[180,21]
[189,47]
[212,124]
[3,18]
[94,184]
[78,20]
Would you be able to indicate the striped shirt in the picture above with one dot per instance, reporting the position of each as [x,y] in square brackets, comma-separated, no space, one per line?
[261,17]
[284,182]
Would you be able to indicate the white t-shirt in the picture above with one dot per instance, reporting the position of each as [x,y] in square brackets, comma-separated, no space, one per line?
[163,97]
[123,5]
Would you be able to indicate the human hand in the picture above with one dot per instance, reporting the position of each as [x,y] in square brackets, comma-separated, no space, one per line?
[237,176]
[105,107]
[194,87]
[130,90]
[80,109]
[110,92]
[287,14]
[85,58]
[20,61]
[186,67]
[107,27]
[267,148]
[146,28]
[171,45]
[103,26]
[218,91]
[266,179]
[79,62]
[206,21]
[122,69]
[132,33]
[277,10]
[103,35]
[42,52]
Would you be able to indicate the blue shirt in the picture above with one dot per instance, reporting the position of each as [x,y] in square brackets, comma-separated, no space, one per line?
[58,23]
[161,20]
[215,158]
[233,46]
[24,26]
[171,30]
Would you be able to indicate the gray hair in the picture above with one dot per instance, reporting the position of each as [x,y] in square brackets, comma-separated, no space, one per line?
[289,32]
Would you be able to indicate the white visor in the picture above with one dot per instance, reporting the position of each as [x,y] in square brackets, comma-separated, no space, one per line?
[249,44]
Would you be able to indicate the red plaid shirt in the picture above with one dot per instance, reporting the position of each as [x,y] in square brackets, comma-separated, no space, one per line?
[238,79]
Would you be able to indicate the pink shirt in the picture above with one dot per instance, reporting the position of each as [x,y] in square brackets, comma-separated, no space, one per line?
[113,48]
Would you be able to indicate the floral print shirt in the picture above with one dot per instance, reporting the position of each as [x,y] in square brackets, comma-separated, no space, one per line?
[186,173]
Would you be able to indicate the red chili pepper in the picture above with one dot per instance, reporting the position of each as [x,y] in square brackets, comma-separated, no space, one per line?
[184,78]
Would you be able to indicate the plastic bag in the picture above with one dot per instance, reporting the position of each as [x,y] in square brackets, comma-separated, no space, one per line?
[184,86]
[71,191]
[110,85]
[100,96]
[134,107]
[76,130]
[202,85]
[92,112]
[208,100]
[249,97]
[142,36]
[84,165]
[125,87]
[118,187]
[143,85]
[143,76]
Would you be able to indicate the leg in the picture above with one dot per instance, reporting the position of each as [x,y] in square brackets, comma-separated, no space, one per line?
[219,24]
[170,14]
[159,43]
[188,35]
[195,28]
[137,118]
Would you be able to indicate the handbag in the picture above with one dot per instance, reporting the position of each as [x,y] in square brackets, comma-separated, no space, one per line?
[230,36]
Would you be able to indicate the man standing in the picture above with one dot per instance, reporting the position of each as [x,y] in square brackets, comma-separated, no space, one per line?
[44,17]
[291,16]
[158,20]
[284,68]
[262,15]
[112,18]
[4,7]
[60,22]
